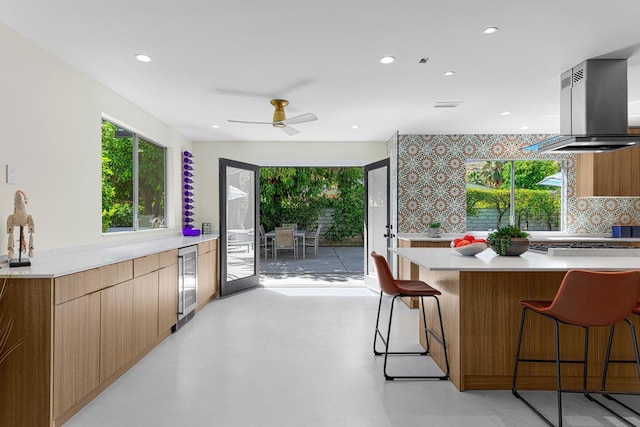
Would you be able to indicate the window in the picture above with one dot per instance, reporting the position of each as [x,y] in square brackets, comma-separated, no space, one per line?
[526,193]
[133,181]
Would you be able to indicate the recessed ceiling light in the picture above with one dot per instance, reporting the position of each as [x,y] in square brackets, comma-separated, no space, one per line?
[143,58]
[387,59]
[448,73]
[355,127]
[505,113]
[215,126]
[524,127]
[490,30]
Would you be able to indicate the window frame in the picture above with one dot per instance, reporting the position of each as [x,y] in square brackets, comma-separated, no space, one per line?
[512,189]
[136,137]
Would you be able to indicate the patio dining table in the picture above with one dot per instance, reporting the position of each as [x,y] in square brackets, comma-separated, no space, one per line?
[296,233]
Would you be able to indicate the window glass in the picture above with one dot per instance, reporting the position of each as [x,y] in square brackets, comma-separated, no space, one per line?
[151,185]
[536,191]
[133,181]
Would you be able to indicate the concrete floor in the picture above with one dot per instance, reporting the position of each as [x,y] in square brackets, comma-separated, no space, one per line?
[332,266]
[293,357]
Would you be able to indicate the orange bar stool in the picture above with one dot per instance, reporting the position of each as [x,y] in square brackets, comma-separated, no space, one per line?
[636,310]
[585,299]
[405,288]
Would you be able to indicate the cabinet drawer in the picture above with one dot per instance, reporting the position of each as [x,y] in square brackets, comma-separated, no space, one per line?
[203,248]
[168,258]
[76,285]
[116,273]
[144,265]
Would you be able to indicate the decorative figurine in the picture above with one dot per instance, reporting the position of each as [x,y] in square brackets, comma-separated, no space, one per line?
[20,218]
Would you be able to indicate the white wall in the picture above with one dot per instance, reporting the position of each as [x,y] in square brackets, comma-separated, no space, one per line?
[50,118]
[286,153]
[50,121]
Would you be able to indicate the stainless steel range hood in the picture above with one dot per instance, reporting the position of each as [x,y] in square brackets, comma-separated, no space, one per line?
[593,109]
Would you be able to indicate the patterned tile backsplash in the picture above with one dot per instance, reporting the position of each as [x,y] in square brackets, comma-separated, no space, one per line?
[431,183]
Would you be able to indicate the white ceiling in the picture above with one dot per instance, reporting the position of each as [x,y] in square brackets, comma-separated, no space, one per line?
[215,60]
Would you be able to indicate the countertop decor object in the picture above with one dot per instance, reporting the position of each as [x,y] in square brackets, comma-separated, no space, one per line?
[435,230]
[508,241]
[471,249]
[189,196]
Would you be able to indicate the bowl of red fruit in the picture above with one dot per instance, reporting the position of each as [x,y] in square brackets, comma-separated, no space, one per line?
[469,245]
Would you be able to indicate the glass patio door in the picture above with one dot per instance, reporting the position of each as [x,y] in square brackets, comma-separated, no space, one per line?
[239,219]
[378,226]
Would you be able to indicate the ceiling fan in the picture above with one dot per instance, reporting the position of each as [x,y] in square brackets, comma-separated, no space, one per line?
[280,120]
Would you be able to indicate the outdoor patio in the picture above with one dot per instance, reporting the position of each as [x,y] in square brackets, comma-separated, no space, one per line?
[333,266]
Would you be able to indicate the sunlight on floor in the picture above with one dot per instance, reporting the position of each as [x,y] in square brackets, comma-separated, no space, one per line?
[324,292]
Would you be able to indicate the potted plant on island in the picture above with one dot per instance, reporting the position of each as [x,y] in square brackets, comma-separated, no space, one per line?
[508,241]
[435,229]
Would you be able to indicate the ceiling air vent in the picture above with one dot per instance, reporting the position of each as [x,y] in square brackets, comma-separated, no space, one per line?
[448,104]
[423,60]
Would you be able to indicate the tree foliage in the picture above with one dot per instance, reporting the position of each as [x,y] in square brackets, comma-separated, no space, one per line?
[531,205]
[530,172]
[299,195]
[118,177]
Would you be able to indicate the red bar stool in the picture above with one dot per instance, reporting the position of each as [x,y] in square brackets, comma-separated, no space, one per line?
[398,289]
[607,361]
[585,299]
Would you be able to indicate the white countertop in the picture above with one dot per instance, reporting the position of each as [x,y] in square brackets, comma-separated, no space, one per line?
[446,259]
[73,260]
[539,237]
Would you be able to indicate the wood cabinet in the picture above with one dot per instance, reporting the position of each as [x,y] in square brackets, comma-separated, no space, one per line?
[76,369]
[78,333]
[609,174]
[116,328]
[145,314]
[167,291]
[207,272]
[409,270]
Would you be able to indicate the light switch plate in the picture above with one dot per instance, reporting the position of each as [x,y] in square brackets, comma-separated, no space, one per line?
[12,174]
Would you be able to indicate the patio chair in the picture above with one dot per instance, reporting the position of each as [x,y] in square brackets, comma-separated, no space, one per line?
[293,225]
[284,240]
[313,241]
[263,241]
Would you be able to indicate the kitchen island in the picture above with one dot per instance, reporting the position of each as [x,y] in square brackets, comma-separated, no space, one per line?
[81,317]
[481,310]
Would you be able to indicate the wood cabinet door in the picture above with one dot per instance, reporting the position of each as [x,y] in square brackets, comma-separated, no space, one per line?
[145,315]
[167,298]
[608,174]
[116,328]
[76,360]
[207,277]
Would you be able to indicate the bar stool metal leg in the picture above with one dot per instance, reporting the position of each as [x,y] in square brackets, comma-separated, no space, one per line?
[558,362]
[608,360]
[385,340]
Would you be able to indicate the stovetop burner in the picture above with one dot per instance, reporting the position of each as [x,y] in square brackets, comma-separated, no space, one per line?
[544,247]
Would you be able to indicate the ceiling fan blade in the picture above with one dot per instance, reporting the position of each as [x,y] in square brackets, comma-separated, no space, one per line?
[290,131]
[253,123]
[302,118]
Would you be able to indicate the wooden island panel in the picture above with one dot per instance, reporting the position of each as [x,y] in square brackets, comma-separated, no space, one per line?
[481,313]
